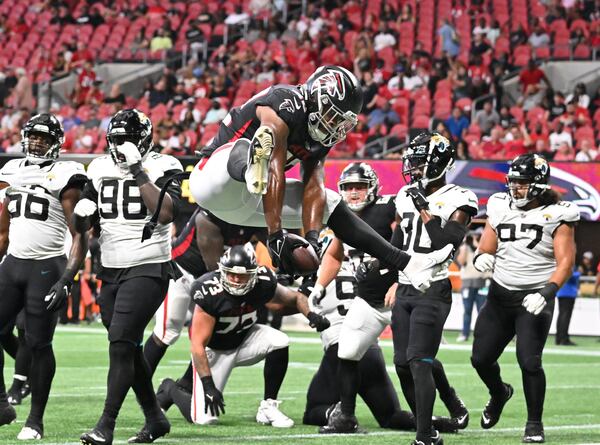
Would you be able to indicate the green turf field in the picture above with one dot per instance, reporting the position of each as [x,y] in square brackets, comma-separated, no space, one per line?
[572,413]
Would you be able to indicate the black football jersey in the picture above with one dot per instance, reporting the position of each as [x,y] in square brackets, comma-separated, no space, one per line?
[185,250]
[234,315]
[290,105]
[380,215]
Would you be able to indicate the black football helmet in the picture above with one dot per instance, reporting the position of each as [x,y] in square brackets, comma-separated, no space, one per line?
[239,269]
[359,172]
[531,169]
[129,125]
[334,98]
[428,157]
[41,138]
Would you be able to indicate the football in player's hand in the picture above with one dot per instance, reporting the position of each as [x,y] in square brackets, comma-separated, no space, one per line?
[305,260]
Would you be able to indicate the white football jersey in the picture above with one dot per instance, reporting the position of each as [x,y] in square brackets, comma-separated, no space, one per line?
[525,254]
[38,227]
[442,203]
[123,213]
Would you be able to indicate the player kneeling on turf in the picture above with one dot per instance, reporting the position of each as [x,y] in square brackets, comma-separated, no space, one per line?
[225,335]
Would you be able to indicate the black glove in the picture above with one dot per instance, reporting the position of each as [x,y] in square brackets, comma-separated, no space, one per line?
[417,194]
[281,247]
[365,268]
[57,295]
[317,321]
[213,398]
[312,236]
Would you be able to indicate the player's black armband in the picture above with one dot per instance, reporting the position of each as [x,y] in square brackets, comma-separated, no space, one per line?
[397,237]
[549,291]
[452,233]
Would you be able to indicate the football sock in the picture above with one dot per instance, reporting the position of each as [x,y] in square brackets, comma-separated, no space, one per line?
[10,344]
[354,231]
[441,381]
[183,401]
[534,387]
[142,385]
[186,381]
[121,374]
[408,386]
[154,350]
[276,364]
[2,387]
[23,358]
[349,382]
[490,375]
[42,372]
[425,396]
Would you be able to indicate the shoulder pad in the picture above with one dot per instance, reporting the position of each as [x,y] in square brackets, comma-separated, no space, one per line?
[566,211]
[10,168]
[497,204]
[466,198]
[385,199]
[156,165]
[61,172]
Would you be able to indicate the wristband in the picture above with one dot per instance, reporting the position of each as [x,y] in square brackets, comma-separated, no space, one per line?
[549,291]
[207,382]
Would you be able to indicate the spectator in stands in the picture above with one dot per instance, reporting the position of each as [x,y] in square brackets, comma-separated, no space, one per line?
[159,93]
[461,82]
[560,136]
[414,79]
[60,66]
[190,117]
[15,144]
[369,92]
[558,106]
[195,38]
[384,38]
[462,150]
[96,18]
[84,15]
[539,132]
[539,37]
[579,96]
[531,79]
[457,124]
[238,17]
[487,118]
[178,143]
[140,42]
[92,120]
[115,96]
[517,141]
[71,120]
[449,39]
[518,36]
[479,47]
[160,41]
[587,152]
[406,15]
[479,76]
[566,296]
[114,107]
[179,96]
[218,87]
[81,57]
[61,16]
[383,115]
[494,32]
[541,148]
[22,94]
[587,267]
[565,152]
[215,114]
[575,116]
[481,28]
[374,143]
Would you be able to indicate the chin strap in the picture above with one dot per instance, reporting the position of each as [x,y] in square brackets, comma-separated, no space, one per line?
[151,225]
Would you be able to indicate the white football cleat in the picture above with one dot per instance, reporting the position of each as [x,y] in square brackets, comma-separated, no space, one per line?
[422,267]
[269,414]
[259,154]
[28,433]
[206,419]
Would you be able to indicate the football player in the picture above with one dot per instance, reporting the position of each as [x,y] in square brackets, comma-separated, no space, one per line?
[528,243]
[122,194]
[359,313]
[430,214]
[41,195]
[225,335]
[241,178]
[196,251]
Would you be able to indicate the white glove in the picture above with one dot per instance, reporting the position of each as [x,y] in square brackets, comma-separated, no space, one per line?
[85,207]
[484,262]
[316,296]
[534,303]
[131,153]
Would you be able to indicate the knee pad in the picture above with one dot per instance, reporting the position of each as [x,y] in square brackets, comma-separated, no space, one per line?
[278,340]
[532,364]
[238,160]
[123,334]
[36,342]
[121,350]
[349,350]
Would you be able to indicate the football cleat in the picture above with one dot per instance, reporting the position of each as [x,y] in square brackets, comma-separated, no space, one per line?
[7,413]
[534,433]
[259,154]
[269,414]
[25,390]
[436,439]
[14,396]
[341,424]
[163,394]
[150,432]
[30,433]
[96,437]
[493,409]
[459,415]
[333,411]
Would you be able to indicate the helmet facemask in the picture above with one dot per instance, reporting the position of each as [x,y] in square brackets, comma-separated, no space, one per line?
[118,136]
[40,145]
[330,125]
[515,186]
[428,161]
[531,171]
[238,280]
[349,191]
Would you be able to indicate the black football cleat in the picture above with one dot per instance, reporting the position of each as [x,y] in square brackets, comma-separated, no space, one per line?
[14,396]
[7,413]
[341,424]
[25,390]
[493,409]
[96,437]
[534,433]
[150,432]
[459,415]
[436,439]
[163,394]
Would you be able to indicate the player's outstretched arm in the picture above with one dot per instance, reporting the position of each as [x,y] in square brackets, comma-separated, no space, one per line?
[330,264]
[4,227]
[209,240]
[292,299]
[313,201]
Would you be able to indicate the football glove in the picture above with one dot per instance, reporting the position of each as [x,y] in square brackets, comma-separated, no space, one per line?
[317,321]
[484,262]
[312,236]
[130,152]
[281,247]
[317,293]
[365,268]
[534,303]
[85,207]
[417,194]
[57,296]
[213,398]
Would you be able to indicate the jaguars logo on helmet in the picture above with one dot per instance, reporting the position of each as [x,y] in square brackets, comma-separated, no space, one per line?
[428,157]
[129,125]
[530,169]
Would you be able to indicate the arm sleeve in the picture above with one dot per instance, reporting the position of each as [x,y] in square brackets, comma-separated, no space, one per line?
[452,233]
[89,191]
[76,181]
[397,237]
[174,190]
